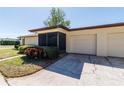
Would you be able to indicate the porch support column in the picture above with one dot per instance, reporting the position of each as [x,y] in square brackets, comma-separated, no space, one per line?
[101,43]
[58,40]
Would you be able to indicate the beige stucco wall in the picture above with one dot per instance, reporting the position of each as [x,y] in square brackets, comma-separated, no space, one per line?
[30,40]
[21,41]
[102,41]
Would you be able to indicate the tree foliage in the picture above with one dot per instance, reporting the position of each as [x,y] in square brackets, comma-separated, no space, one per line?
[57,17]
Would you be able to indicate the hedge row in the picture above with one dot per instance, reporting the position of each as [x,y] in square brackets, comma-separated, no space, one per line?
[49,52]
[9,42]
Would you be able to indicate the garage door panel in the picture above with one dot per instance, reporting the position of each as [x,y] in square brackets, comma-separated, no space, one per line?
[85,44]
[116,45]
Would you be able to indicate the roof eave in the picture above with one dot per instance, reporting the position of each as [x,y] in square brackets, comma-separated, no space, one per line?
[48,28]
[81,28]
[99,26]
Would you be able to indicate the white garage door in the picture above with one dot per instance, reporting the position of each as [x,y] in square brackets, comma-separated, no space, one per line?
[84,44]
[116,45]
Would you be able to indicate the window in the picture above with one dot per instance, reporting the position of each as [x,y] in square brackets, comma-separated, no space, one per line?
[49,39]
[52,39]
[42,39]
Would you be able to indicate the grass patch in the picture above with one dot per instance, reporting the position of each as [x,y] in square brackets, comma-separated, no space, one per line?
[22,66]
[15,61]
[5,53]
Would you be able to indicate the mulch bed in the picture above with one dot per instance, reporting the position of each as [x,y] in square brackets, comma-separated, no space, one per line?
[12,71]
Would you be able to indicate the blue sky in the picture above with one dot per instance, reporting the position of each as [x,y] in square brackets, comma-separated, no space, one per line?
[17,21]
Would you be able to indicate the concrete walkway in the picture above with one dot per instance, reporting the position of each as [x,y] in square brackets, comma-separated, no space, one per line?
[76,69]
[3,81]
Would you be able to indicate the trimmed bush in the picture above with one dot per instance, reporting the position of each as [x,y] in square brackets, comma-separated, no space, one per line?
[34,52]
[39,51]
[16,46]
[24,47]
[51,52]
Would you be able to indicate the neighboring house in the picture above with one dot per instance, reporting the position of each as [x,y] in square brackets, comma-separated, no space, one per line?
[29,40]
[102,40]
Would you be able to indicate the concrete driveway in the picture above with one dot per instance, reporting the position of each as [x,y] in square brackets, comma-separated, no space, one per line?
[76,69]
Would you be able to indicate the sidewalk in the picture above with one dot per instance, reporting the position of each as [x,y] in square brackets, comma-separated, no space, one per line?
[2,81]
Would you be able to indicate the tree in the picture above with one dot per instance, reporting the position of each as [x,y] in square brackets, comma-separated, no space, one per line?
[57,17]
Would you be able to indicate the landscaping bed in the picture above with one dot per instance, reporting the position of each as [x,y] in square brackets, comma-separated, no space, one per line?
[12,71]
[35,59]
[5,53]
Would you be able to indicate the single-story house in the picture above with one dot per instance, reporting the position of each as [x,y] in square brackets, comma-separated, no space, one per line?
[102,40]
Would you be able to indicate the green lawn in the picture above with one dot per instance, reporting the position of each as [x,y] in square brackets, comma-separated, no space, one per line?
[5,53]
[15,61]
[21,66]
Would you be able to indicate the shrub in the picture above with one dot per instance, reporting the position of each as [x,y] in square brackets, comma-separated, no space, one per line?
[51,52]
[39,51]
[16,47]
[34,52]
[23,48]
